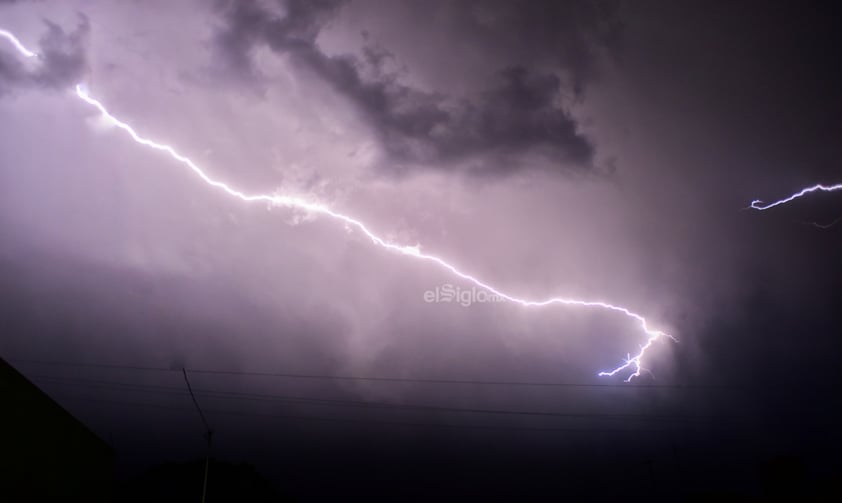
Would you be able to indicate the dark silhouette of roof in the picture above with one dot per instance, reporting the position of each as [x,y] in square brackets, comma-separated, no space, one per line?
[47,453]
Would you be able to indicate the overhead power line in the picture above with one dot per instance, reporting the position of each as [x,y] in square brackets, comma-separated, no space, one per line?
[309,418]
[420,380]
[225,394]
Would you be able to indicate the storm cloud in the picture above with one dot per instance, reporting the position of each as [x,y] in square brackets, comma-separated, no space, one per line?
[522,110]
[481,132]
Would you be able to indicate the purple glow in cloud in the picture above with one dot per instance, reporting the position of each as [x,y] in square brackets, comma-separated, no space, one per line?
[633,363]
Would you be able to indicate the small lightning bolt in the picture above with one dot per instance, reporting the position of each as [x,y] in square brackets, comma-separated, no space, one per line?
[824,226]
[757,204]
[633,364]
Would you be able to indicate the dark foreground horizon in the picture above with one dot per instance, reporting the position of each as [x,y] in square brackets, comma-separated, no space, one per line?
[407,453]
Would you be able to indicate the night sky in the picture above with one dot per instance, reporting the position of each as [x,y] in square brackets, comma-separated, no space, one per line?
[593,150]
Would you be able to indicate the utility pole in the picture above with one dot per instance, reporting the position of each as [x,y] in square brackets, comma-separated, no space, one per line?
[207,462]
[208,433]
[651,464]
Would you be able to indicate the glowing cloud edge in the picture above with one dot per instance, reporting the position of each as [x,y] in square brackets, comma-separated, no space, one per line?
[631,362]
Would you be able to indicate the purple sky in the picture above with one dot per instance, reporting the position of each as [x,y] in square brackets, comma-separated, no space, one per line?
[583,150]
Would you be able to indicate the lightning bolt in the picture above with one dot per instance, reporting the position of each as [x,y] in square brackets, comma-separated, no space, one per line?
[757,204]
[824,226]
[633,364]
[17,44]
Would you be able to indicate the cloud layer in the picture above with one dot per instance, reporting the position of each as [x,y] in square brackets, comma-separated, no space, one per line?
[521,111]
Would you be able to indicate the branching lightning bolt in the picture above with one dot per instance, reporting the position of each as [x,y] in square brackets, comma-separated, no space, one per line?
[633,364]
[757,204]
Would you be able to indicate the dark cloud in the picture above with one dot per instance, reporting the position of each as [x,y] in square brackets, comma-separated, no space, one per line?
[61,63]
[520,113]
[566,36]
